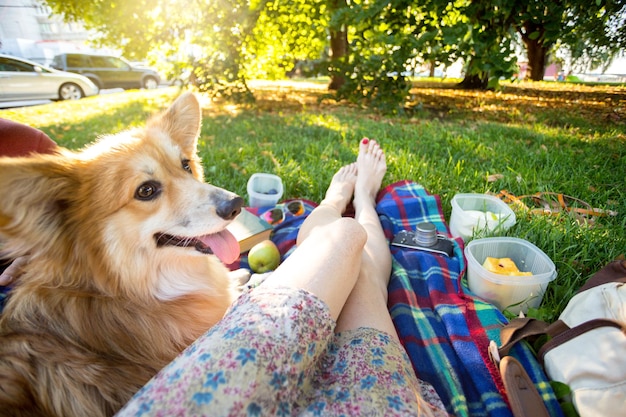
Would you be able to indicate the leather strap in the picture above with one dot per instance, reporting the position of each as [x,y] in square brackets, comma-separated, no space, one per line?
[612,272]
[576,331]
[525,329]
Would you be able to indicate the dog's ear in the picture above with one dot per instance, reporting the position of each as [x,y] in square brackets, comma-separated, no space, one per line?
[35,190]
[182,122]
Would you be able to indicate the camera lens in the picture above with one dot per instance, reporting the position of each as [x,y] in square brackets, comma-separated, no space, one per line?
[426,234]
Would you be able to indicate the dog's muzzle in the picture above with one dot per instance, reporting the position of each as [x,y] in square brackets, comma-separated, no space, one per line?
[184,242]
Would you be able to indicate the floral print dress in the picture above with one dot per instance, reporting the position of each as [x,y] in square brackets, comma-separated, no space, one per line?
[275,353]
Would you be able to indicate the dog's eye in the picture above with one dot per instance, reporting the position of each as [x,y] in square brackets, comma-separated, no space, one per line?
[148,190]
[186,165]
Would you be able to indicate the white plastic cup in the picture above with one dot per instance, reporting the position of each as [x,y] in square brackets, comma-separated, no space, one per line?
[513,293]
[478,215]
[264,190]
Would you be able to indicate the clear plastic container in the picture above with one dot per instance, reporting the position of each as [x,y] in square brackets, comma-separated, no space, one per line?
[478,215]
[264,190]
[513,293]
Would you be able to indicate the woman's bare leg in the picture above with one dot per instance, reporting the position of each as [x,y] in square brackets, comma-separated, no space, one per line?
[367,304]
[327,259]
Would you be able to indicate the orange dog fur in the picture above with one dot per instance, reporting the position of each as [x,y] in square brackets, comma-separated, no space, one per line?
[126,248]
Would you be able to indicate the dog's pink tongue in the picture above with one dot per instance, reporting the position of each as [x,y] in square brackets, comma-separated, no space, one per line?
[224,246]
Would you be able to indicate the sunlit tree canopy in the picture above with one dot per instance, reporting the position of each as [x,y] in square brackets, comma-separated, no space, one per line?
[367,47]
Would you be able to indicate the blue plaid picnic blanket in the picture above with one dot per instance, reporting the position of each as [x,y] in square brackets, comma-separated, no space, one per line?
[444,328]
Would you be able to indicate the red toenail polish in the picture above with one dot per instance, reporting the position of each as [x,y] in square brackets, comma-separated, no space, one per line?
[365,141]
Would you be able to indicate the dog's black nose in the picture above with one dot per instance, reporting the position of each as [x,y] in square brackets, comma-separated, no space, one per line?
[229,209]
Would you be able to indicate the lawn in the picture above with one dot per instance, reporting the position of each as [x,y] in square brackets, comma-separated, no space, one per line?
[526,138]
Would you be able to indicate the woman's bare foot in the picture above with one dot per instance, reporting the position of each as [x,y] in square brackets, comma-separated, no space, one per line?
[338,196]
[341,188]
[371,167]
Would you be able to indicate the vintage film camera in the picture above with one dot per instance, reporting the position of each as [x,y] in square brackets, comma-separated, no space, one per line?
[424,238]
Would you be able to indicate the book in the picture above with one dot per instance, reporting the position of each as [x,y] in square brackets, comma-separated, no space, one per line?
[249,230]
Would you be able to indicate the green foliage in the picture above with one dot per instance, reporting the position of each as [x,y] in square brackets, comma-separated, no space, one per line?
[286,33]
[380,46]
[206,37]
[486,44]
[595,32]
[591,32]
[225,43]
[563,394]
[133,27]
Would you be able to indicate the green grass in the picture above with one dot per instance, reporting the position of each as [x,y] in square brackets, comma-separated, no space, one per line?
[525,139]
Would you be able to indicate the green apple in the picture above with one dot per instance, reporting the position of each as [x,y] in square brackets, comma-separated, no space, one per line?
[264,257]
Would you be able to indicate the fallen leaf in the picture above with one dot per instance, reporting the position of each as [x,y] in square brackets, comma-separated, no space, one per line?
[494,177]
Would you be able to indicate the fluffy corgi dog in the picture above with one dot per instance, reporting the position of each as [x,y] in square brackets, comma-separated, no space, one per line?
[126,246]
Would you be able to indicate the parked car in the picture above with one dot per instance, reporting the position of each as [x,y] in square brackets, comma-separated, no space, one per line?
[107,71]
[21,79]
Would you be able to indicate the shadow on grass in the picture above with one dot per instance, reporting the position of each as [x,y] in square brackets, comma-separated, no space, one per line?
[562,105]
[566,106]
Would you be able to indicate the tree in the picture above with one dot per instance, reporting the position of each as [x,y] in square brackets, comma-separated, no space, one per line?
[596,32]
[591,28]
[475,32]
[287,34]
[209,36]
[586,28]
[367,47]
[488,46]
[371,73]
[540,24]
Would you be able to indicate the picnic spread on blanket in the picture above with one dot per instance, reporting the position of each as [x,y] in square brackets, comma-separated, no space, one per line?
[445,329]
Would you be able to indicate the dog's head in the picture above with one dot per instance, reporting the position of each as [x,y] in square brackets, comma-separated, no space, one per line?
[131,211]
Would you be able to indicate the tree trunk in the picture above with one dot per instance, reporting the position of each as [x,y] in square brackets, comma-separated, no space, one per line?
[338,44]
[474,82]
[536,50]
[536,59]
[338,49]
[474,78]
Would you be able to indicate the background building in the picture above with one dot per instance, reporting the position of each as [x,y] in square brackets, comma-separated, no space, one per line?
[29,30]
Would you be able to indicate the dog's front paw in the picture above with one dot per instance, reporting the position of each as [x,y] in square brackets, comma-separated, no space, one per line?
[257,279]
[239,277]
